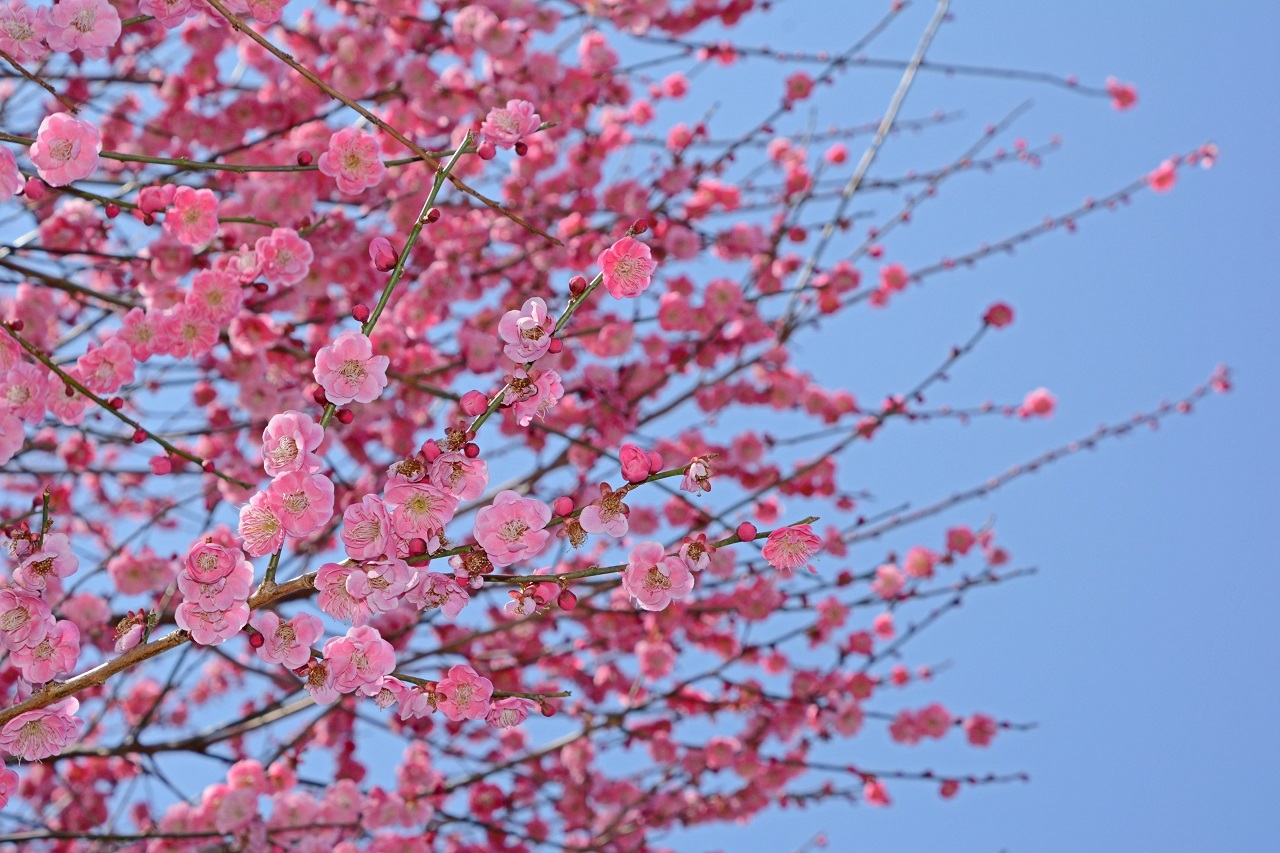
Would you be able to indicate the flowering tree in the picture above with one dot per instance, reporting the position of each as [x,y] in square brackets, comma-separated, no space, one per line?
[380,379]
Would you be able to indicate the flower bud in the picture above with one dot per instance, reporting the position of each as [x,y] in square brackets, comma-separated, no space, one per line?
[473,403]
[746,531]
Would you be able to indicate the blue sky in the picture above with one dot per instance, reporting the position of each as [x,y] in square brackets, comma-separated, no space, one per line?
[1145,647]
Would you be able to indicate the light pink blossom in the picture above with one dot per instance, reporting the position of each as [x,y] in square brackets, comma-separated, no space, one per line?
[42,733]
[210,629]
[12,436]
[56,654]
[352,159]
[90,26]
[527,332]
[432,589]
[53,560]
[463,694]
[66,149]
[366,529]
[359,660]
[284,256]
[459,475]
[653,579]
[287,643]
[504,127]
[302,502]
[11,179]
[108,367]
[22,30]
[537,394]
[24,389]
[508,712]
[289,443]
[209,561]
[8,778]
[628,268]
[1037,403]
[419,510]
[25,619]
[193,220]
[606,514]
[348,370]
[788,548]
[697,477]
[260,528]
[512,528]
[320,684]
[1163,177]
[888,582]
[221,593]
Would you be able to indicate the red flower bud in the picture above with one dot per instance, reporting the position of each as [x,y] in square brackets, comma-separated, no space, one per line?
[562,505]
[566,600]
[746,531]
[304,158]
[360,312]
[473,403]
[346,416]
[471,449]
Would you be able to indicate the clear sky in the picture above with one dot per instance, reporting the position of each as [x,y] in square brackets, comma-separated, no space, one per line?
[1146,648]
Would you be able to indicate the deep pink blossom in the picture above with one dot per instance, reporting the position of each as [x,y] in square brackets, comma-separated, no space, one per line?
[42,733]
[1123,95]
[193,221]
[303,502]
[527,332]
[980,729]
[108,367]
[508,712]
[512,528]
[11,179]
[90,26]
[288,643]
[289,443]
[348,371]
[25,619]
[8,778]
[366,529]
[789,548]
[1038,403]
[539,392]
[284,256]
[504,127]
[359,660]
[380,583]
[66,148]
[461,476]
[211,628]
[1163,177]
[628,268]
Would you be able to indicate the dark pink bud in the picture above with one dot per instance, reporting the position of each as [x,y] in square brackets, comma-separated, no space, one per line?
[34,189]
[655,462]
[431,450]
[382,253]
[746,531]
[562,505]
[556,346]
[360,312]
[471,449]
[635,463]
[487,150]
[474,403]
[566,600]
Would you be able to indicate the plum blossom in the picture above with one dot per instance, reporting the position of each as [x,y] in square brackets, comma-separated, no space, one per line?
[536,394]
[334,597]
[348,371]
[25,619]
[627,267]
[432,589]
[22,30]
[504,127]
[1163,177]
[419,509]
[193,221]
[303,502]
[980,729]
[352,159]
[889,581]
[380,583]
[66,149]
[90,26]
[788,548]
[53,560]
[1123,95]
[696,552]
[11,179]
[56,654]
[284,256]
[919,562]
[209,561]
[289,443]
[260,527]
[635,463]
[359,660]
[42,733]
[463,694]
[509,711]
[653,579]
[107,367]
[458,474]
[382,254]
[8,779]
[320,684]
[287,643]
[527,332]
[219,594]
[697,477]
[512,528]
[211,628]
[366,529]
[12,435]
[1037,403]
[24,389]
[607,514]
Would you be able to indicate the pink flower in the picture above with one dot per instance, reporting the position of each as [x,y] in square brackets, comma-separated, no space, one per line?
[8,779]
[381,253]
[1163,177]
[635,463]
[419,510]
[799,86]
[193,221]
[320,684]
[211,628]
[788,548]
[25,619]
[260,527]
[463,694]
[138,330]
[433,590]
[54,559]
[919,562]
[889,581]
[22,30]
[697,477]
[537,394]
[12,435]
[505,127]
[108,367]
[875,794]
[208,562]
[998,315]
[696,552]
[302,502]
[287,643]
[380,583]
[334,597]
[144,571]
[933,721]
[628,268]
[512,528]
[284,256]
[509,712]
[57,653]
[527,332]
[90,26]
[1037,403]
[221,594]
[359,660]
[607,514]
[1123,95]
[24,390]
[11,179]
[42,733]
[894,277]
[348,371]
[169,13]
[653,579]
[289,443]
[353,160]
[184,333]
[366,529]
[459,475]
[980,729]
[960,539]
[66,149]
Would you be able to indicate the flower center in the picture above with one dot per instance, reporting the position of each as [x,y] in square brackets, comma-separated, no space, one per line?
[85,20]
[296,503]
[462,694]
[286,634]
[655,579]
[43,567]
[511,531]
[285,451]
[14,619]
[353,370]
[18,29]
